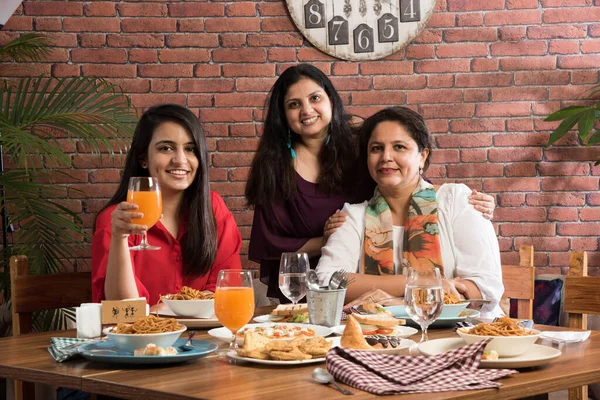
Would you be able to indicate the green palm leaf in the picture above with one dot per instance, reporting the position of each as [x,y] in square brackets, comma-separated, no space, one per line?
[30,46]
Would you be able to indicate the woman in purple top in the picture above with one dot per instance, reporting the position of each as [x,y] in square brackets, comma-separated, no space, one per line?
[304,170]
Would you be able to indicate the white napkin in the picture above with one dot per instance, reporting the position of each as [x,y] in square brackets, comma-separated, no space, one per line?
[89,320]
[566,336]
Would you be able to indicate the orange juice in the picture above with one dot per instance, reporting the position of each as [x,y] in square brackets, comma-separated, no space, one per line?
[149,203]
[234,306]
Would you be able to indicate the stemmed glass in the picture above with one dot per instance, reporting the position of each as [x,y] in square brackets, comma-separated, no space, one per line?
[234,301]
[145,192]
[424,297]
[292,275]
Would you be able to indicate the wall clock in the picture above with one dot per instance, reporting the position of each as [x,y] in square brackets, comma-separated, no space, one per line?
[360,29]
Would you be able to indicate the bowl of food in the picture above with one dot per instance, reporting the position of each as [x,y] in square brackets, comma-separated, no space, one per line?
[508,338]
[190,302]
[162,332]
[453,310]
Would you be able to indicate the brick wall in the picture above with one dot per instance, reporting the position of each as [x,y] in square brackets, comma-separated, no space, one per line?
[484,73]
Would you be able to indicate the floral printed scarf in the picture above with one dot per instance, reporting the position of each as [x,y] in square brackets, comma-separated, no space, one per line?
[421,233]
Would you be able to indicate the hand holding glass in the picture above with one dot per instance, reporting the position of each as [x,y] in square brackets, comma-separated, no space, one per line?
[292,275]
[234,301]
[145,192]
[424,297]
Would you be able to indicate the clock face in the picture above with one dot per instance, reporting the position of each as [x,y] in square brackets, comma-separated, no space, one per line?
[360,29]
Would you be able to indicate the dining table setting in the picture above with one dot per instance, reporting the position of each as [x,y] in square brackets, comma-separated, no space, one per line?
[201,345]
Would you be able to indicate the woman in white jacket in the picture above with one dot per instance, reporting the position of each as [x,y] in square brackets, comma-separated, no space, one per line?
[409,222]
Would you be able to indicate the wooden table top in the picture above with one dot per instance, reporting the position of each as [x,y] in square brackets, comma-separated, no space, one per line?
[26,357]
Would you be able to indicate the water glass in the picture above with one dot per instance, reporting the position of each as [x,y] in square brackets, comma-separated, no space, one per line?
[424,297]
[292,275]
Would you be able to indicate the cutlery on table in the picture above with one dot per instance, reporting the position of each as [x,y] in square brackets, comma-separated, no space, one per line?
[312,280]
[322,376]
[336,279]
[188,345]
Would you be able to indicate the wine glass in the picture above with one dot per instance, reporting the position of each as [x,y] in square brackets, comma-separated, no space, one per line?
[424,297]
[234,301]
[145,192]
[292,275]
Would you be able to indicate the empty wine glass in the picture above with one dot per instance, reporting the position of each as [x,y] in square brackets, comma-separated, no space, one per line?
[292,275]
[145,192]
[424,297]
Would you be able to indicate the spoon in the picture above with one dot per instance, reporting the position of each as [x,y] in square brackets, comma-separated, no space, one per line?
[322,376]
[188,345]
[312,280]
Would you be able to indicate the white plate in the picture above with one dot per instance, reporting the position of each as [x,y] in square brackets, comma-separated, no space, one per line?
[192,322]
[233,354]
[265,318]
[401,331]
[225,334]
[536,355]
[404,343]
[399,312]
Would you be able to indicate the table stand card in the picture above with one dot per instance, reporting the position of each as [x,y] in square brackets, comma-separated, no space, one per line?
[115,311]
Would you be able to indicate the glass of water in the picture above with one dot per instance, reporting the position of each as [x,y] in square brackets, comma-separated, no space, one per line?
[424,297]
[292,275]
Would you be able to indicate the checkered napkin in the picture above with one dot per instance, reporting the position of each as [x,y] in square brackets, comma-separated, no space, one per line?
[64,348]
[390,374]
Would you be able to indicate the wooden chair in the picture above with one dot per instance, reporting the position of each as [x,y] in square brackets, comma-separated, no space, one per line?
[31,293]
[519,282]
[581,297]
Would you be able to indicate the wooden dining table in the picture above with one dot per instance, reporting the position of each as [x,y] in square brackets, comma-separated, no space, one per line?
[213,377]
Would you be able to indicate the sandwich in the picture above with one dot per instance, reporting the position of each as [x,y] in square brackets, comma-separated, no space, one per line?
[375,320]
[290,313]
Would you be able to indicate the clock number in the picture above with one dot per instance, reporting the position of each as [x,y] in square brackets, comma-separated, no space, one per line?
[387,28]
[363,39]
[314,14]
[338,31]
[410,10]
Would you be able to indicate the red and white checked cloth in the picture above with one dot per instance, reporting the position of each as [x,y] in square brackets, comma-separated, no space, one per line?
[390,374]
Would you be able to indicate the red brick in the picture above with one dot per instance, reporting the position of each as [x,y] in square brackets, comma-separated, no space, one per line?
[143,10]
[136,40]
[205,85]
[217,174]
[530,229]
[151,99]
[239,55]
[162,71]
[59,8]
[240,100]
[459,50]
[386,68]
[529,63]
[344,68]
[306,54]
[511,185]
[196,10]
[471,35]
[275,40]
[440,81]
[519,94]
[474,5]
[467,170]
[564,169]
[511,4]
[226,115]
[444,156]
[136,85]
[587,14]
[92,40]
[564,47]
[190,25]
[399,82]
[193,40]
[233,39]
[511,200]
[245,9]
[65,70]
[545,109]
[429,36]
[18,23]
[520,169]
[207,70]
[272,9]
[437,66]
[109,71]
[544,243]
[47,24]
[434,96]
[230,145]
[509,154]
[529,48]
[520,17]
[584,244]
[580,77]
[232,25]
[561,3]
[590,46]
[200,100]
[486,80]
[571,184]
[512,33]
[513,140]
[93,161]
[527,214]
[463,141]
[567,31]
[112,56]
[105,176]
[184,56]
[441,21]
[379,97]
[353,83]
[158,25]
[278,25]
[469,19]
[447,111]
[477,125]
[91,25]
[420,51]
[503,110]
[542,78]
[589,214]
[143,56]
[100,9]
[282,55]
[473,155]
[556,199]
[569,92]
[254,84]
[233,160]
[579,229]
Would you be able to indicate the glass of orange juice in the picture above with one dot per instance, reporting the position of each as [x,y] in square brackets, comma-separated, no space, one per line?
[234,301]
[145,192]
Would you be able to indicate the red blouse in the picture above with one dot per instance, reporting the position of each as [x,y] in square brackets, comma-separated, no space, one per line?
[160,271]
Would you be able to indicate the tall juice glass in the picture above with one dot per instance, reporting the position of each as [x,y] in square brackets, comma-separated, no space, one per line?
[234,301]
[145,192]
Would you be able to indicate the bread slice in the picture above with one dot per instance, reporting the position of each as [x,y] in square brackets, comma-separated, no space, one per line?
[381,320]
[289,309]
[353,338]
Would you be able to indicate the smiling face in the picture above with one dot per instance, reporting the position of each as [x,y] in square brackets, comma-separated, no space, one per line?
[307,109]
[393,157]
[172,157]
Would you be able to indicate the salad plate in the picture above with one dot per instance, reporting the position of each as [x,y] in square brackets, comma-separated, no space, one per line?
[107,351]
[400,312]
[400,331]
[535,356]
[266,318]
[273,330]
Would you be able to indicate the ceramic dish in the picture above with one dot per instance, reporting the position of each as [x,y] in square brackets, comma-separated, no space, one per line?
[192,322]
[191,308]
[130,342]
[505,346]
[535,356]
[107,351]
[400,331]
[453,310]
[225,334]
[399,312]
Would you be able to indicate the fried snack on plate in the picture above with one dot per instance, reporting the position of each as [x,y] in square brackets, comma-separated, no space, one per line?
[294,355]
[352,337]
[254,346]
[316,347]
[153,350]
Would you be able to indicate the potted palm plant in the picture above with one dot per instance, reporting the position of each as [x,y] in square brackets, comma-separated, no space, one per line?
[36,114]
[585,117]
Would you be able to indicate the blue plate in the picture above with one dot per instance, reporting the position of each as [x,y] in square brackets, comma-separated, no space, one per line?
[107,351]
[400,312]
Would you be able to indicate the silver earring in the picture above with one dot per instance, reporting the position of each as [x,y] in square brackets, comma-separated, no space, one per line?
[420,171]
[144,165]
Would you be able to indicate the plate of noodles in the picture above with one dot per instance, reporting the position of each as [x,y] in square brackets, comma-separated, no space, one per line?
[190,302]
[509,339]
[107,351]
[535,356]
[163,332]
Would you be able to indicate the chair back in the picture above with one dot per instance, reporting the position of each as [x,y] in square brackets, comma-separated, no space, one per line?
[519,282]
[31,293]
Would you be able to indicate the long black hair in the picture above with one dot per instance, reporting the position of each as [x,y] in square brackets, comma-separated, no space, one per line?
[199,247]
[272,175]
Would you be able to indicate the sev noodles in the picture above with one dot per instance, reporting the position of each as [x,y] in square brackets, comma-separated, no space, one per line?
[188,293]
[451,298]
[505,326]
[149,324]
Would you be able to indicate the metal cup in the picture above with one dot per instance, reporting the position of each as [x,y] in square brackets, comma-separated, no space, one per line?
[325,306]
